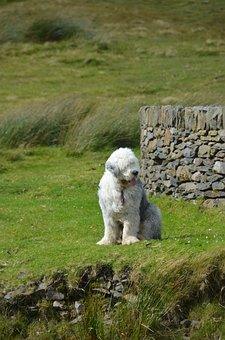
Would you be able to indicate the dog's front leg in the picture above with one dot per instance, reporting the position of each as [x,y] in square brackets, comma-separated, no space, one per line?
[130,229]
[112,231]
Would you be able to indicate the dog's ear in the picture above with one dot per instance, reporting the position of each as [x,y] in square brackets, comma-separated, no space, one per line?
[112,168]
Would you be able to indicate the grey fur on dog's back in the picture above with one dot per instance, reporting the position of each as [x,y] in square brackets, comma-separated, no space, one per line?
[150,219]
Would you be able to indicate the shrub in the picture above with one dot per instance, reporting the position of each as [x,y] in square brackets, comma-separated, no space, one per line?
[43,30]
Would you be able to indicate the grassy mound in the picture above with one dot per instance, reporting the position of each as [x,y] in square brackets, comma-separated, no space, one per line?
[129,304]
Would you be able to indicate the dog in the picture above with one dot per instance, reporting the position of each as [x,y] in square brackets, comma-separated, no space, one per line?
[127,214]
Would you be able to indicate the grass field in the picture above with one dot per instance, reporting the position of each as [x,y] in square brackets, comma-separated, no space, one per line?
[120,55]
[73,77]
[50,214]
[50,220]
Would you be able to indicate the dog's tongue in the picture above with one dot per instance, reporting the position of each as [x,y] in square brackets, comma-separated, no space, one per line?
[133,182]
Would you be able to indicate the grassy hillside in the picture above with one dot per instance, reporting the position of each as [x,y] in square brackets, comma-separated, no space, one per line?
[50,221]
[50,214]
[73,75]
[114,55]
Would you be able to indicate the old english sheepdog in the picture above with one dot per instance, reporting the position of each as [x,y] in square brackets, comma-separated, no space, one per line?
[127,214]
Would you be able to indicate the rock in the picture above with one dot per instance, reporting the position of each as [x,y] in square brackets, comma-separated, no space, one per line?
[218,186]
[176,154]
[42,286]
[160,154]
[173,165]
[168,137]
[57,304]
[152,145]
[221,134]
[214,178]
[208,162]
[192,168]
[183,173]
[204,151]
[190,196]
[9,296]
[187,187]
[214,194]
[116,294]
[189,152]
[221,154]
[181,146]
[186,161]
[150,135]
[214,202]
[158,132]
[193,136]
[203,186]
[197,177]
[172,146]
[174,131]
[210,138]
[79,307]
[219,167]
[210,203]
[170,173]
[198,161]
[52,295]
[168,191]
[203,169]
[219,146]
[213,133]
[172,182]
[119,287]
[201,132]
[163,175]
[76,320]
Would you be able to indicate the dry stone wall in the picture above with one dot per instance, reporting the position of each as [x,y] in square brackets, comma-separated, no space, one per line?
[183,151]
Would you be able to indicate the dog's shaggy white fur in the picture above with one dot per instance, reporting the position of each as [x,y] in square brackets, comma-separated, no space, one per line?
[128,216]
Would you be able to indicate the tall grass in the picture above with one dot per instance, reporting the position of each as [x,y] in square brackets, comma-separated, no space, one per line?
[40,28]
[74,122]
[51,30]
[170,301]
[45,124]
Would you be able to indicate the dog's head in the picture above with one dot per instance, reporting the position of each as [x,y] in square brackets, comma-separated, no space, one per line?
[124,166]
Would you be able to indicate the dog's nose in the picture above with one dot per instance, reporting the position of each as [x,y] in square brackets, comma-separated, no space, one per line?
[135,172]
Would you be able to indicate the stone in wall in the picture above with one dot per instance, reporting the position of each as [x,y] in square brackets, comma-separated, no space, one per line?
[183,151]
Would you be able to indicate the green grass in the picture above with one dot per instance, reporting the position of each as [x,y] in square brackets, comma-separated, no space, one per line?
[83,92]
[50,218]
[128,54]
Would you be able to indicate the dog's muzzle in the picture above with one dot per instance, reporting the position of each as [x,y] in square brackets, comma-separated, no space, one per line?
[130,183]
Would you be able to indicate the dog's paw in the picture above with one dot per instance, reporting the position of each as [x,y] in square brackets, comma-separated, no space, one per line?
[130,240]
[105,241]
